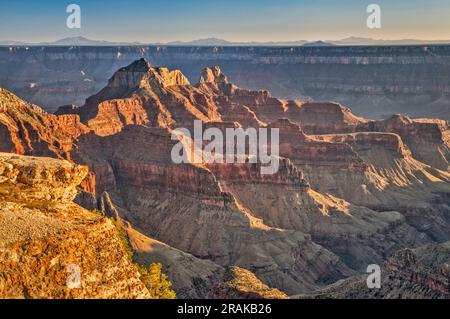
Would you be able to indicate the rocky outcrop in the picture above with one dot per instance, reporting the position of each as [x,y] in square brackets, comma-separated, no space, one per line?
[51,247]
[323,118]
[428,139]
[27,129]
[239,283]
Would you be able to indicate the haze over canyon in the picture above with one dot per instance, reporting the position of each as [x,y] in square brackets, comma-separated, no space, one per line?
[374,81]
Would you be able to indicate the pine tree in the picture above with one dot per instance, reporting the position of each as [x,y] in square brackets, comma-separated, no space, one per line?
[157,282]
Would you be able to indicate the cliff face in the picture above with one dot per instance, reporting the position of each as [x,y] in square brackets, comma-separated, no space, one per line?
[27,129]
[428,139]
[45,238]
[373,81]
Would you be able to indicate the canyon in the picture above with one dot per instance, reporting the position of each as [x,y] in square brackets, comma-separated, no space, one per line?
[349,191]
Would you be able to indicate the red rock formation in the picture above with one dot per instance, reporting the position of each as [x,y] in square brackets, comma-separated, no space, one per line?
[322,118]
[27,129]
[140,94]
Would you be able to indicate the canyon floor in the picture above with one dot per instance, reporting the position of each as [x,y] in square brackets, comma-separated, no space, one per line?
[349,192]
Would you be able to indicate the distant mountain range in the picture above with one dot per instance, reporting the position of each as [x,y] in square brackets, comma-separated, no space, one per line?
[221,42]
[72,41]
[82,41]
[370,41]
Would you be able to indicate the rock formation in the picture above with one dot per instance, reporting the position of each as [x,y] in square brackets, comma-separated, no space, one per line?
[27,129]
[240,283]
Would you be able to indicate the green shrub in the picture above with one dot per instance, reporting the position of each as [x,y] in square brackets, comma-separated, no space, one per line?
[152,277]
[156,281]
[123,236]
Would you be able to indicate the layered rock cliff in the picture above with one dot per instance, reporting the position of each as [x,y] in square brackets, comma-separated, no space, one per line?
[27,129]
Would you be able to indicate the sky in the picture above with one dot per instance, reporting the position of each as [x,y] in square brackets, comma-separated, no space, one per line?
[151,21]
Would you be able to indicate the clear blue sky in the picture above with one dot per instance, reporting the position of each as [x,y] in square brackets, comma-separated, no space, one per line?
[235,20]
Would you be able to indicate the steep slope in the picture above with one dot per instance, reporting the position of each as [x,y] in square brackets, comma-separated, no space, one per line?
[191,277]
[45,238]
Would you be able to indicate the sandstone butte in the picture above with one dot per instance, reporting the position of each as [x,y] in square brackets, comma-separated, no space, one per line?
[349,192]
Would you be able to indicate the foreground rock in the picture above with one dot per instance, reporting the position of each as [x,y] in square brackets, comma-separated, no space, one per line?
[45,237]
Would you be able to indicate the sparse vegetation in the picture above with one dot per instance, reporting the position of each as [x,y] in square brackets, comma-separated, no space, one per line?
[153,277]
[156,281]
[123,236]
[96,212]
